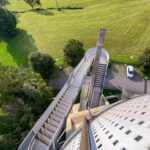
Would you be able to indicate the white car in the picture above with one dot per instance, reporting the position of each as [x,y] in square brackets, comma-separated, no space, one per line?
[130,71]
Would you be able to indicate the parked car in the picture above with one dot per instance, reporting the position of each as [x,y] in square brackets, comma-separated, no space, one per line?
[130,71]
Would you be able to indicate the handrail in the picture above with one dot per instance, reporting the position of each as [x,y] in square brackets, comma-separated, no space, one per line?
[84,144]
[32,140]
[107,57]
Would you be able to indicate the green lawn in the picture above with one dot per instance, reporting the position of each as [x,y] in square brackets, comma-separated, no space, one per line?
[127,23]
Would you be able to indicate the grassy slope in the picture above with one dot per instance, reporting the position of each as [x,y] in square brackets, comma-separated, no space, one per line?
[127,23]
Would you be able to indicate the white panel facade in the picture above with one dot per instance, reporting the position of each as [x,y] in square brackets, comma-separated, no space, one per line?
[125,126]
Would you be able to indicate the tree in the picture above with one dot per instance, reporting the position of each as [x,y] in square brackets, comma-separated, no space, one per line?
[57,5]
[144,60]
[7,22]
[3,3]
[24,96]
[32,3]
[73,52]
[42,63]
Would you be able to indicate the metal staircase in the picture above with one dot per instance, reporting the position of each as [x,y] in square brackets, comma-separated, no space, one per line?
[99,82]
[49,129]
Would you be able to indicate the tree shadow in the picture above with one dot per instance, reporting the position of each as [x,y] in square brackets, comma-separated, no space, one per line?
[20,46]
[60,77]
[137,77]
[69,7]
[112,70]
[44,12]
[17,17]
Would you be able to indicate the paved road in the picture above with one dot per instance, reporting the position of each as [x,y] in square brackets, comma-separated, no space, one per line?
[58,83]
[135,86]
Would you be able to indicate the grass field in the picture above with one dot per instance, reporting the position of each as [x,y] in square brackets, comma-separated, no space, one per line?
[127,23]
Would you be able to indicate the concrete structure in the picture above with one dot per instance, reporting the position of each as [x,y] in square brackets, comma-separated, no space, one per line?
[75,119]
[84,94]
[124,125]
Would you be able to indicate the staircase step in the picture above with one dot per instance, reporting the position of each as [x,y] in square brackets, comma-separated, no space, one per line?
[72,90]
[99,85]
[67,97]
[62,111]
[100,70]
[46,132]
[59,114]
[50,127]
[43,138]
[54,117]
[62,107]
[53,122]
[64,103]
[38,145]
[67,101]
[100,76]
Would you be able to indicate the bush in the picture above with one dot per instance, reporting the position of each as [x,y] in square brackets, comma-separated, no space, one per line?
[73,52]
[144,60]
[142,69]
[7,22]
[110,63]
[24,95]
[42,63]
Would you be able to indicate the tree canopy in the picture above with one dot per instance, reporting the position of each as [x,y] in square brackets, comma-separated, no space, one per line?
[42,63]
[73,52]
[32,3]
[24,96]
[8,22]
[3,3]
[144,60]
